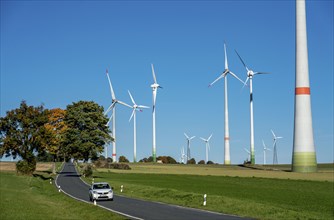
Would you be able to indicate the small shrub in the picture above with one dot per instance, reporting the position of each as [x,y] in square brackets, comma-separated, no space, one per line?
[25,167]
[201,162]
[209,162]
[123,159]
[191,161]
[88,170]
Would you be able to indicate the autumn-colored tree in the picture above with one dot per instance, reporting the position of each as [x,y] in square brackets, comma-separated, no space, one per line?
[22,133]
[56,127]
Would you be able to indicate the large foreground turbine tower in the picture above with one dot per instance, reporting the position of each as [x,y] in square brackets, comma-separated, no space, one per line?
[304,155]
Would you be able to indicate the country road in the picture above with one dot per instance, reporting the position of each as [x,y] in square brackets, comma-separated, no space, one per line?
[71,184]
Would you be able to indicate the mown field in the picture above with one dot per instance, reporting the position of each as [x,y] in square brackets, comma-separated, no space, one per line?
[24,197]
[261,194]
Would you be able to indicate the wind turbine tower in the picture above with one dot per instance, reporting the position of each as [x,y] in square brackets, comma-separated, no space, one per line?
[154,87]
[304,154]
[227,158]
[250,74]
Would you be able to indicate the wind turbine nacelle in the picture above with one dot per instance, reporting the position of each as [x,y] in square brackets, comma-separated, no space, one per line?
[154,86]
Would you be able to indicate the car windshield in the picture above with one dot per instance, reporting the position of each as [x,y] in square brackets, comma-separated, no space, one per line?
[101,186]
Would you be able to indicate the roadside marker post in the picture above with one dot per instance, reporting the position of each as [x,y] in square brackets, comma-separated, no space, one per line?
[50,181]
[92,180]
[121,188]
[58,188]
[204,203]
[94,201]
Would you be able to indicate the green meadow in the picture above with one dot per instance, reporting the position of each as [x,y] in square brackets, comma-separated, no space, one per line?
[33,197]
[262,193]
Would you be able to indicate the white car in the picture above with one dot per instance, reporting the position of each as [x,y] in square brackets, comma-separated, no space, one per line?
[101,191]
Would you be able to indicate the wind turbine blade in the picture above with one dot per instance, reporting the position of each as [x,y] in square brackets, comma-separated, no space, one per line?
[192,137]
[226,64]
[133,112]
[263,144]
[143,106]
[203,139]
[186,135]
[221,76]
[133,101]
[109,120]
[235,76]
[111,89]
[255,73]
[273,134]
[209,137]
[110,107]
[153,73]
[246,82]
[278,137]
[123,103]
[242,61]
[247,150]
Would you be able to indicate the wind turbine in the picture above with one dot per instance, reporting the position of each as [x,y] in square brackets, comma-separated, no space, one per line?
[275,160]
[154,87]
[188,145]
[250,74]
[135,108]
[264,152]
[112,107]
[207,146]
[227,159]
[183,155]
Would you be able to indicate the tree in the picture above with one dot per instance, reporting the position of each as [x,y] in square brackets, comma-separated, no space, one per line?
[56,127]
[191,161]
[86,132]
[201,162]
[210,162]
[22,133]
[123,159]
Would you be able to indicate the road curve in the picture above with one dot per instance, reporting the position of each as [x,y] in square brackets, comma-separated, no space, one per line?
[71,184]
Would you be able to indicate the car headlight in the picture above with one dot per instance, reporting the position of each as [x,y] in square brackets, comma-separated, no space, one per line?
[110,191]
[94,192]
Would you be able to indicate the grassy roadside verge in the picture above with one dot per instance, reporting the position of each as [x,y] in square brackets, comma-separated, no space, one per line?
[25,197]
[261,198]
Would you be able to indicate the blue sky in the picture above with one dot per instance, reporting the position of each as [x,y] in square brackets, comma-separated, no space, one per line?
[56,53]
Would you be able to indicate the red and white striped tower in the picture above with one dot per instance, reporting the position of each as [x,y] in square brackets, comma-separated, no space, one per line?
[304,155]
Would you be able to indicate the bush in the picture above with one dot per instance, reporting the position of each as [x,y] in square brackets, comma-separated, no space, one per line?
[201,162]
[209,162]
[123,159]
[191,161]
[88,170]
[25,167]
[120,166]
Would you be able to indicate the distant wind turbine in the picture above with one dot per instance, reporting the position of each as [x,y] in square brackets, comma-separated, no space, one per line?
[112,107]
[154,87]
[207,146]
[250,74]
[183,155]
[135,108]
[264,152]
[227,157]
[188,145]
[275,159]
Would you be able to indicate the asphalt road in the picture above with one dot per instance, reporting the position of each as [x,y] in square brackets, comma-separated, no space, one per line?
[71,184]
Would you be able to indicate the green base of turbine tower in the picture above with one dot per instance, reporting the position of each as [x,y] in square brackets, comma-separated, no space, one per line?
[304,162]
[154,157]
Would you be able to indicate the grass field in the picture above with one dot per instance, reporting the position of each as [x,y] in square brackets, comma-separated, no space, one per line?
[24,197]
[256,193]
